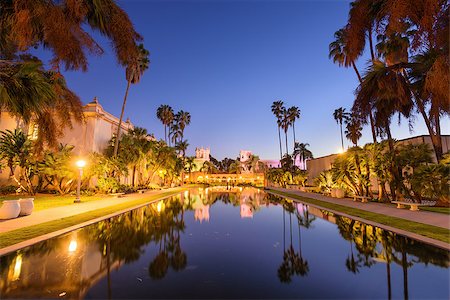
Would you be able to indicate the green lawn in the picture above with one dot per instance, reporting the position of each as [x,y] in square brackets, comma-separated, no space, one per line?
[434,232]
[44,201]
[442,210]
[19,235]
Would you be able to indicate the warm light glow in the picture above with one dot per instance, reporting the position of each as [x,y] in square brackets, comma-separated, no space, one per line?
[186,177]
[160,206]
[257,177]
[186,194]
[341,150]
[73,246]
[206,176]
[17,267]
[229,179]
[81,163]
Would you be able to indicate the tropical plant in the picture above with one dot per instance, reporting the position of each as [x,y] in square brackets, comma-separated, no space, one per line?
[58,170]
[165,115]
[325,181]
[133,73]
[301,151]
[16,150]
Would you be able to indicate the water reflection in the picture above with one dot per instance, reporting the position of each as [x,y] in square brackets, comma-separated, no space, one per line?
[85,260]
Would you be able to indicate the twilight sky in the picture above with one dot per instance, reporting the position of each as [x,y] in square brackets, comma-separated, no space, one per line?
[225,62]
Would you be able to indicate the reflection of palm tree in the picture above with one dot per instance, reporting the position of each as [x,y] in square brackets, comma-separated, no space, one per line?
[293,263]
[159,266]
[351,263]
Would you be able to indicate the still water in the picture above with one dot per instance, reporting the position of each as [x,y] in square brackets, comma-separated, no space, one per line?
[219,243]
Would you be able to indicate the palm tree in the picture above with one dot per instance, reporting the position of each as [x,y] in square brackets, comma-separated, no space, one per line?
[181,147]
[133,74]
[189,164]
[165,114]
[293,115]
[285,124]
[175,132]
[340,116]
[63,27]
[38,97]
[277,109]
[339,52]
[183,118]
[301,150]
[236,167]
[353,129]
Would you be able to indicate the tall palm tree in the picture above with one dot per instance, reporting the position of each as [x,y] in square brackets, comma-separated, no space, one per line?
[294,114]
[339,52]
[340,115]
[175,132]
[285,124]
[385,91]
[133,74]
[277,109]
[183,118]
[165,114]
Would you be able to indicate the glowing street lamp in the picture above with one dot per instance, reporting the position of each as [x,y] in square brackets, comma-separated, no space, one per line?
[80,164]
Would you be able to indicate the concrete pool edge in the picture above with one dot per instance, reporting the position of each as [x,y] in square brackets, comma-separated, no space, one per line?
[40,238]
[415,236]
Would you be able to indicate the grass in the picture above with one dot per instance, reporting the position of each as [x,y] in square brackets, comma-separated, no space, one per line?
[19,235]
[45,201]
[434,232]
[441,210]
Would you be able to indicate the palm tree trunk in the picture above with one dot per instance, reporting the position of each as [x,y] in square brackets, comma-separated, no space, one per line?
[116,144]
[279,139]
[342,136]
[287,149]
[372,126]
[293,131]
[372,52]
[165,133]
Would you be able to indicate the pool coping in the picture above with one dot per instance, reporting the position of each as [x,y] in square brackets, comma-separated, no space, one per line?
[35,240]
[415,236]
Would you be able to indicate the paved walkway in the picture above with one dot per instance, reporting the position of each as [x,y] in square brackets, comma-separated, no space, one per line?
[425,217]
[60,212]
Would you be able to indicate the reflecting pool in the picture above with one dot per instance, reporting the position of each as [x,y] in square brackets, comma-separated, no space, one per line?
[219,243]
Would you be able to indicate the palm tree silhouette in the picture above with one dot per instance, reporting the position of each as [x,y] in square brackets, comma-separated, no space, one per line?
[277,109]
[165,114]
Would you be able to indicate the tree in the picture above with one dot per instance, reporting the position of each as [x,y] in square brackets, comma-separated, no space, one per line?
[165,115]
[285,124]
[58,170]
[339,52]
[353,129]
[133,73]
[277,109]
[16,149]
[60,27]
[293,114]
[38,97]
[301,150]
[340,116]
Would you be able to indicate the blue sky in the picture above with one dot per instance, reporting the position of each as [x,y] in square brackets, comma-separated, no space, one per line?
[225,62]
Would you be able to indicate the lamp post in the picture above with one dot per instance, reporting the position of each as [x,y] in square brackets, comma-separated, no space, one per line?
[80,164]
